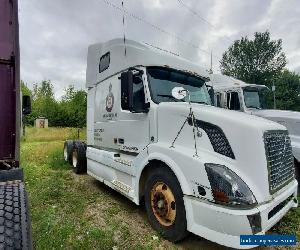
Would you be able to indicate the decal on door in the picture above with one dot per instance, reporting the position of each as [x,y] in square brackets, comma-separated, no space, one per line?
[109,100]
[129,148]
[98,134]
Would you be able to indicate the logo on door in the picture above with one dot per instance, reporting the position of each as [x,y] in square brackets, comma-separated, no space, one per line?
[109,100]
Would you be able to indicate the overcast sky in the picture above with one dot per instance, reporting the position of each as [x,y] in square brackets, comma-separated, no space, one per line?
[55,34]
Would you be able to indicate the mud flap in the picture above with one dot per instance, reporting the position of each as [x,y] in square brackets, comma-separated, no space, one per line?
[11,175]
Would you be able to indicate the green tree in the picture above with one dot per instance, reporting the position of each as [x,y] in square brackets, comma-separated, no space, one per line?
[288,91]
[254,61]
[25,90]
[70,111]
[74,103]
[44,103]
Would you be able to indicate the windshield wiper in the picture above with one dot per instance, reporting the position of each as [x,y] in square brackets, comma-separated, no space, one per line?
[201,103]
[172,97]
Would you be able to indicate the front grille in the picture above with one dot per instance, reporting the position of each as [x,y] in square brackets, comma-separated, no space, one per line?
[280,159]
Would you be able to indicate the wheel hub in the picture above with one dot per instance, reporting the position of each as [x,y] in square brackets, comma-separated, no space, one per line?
[163,204]
[65,154]
[74,158]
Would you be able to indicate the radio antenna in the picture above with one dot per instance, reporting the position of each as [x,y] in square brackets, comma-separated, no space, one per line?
[124,29]
[211,63]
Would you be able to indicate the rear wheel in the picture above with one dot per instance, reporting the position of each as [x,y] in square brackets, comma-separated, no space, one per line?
[164,204]
[79,157]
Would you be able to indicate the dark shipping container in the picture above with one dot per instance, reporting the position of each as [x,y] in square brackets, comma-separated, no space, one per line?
[10,113]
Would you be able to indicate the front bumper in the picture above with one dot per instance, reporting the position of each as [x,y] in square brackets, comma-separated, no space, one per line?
[224,225]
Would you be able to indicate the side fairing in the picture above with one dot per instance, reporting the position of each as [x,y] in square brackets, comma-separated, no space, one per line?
[90,115]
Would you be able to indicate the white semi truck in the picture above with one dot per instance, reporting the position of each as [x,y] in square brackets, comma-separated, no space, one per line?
[153,136]
[233,94]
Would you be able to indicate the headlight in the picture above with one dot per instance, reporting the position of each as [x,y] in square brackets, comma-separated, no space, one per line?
[227,187]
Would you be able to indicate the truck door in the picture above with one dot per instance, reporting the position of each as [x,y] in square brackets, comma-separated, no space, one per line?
[135,125]
[117,128]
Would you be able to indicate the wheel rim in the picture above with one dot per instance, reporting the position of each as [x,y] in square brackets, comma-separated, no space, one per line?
[163,204]
[74,158]
[65,153]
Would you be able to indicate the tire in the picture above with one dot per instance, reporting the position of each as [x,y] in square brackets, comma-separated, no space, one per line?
[160,204]
[68,149]
[79,157]
[297,176]
[15,224]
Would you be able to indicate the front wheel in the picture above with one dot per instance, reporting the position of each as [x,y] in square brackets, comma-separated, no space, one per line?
[164,204]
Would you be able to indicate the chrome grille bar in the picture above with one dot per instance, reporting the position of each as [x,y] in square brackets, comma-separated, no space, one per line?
[279,158]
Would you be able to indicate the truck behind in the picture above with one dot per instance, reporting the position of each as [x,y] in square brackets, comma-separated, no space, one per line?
[254,99]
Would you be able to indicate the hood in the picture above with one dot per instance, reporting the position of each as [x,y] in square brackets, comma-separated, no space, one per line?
[243,132]
[290,119]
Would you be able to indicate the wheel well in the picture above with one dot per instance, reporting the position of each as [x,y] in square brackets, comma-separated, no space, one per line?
[153,164]
[297,166]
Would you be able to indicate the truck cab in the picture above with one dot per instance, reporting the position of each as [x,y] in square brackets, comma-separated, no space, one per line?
[153,135]
[233,94]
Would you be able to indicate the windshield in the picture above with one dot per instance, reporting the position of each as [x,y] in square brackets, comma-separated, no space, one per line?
[258,98]
[163,80]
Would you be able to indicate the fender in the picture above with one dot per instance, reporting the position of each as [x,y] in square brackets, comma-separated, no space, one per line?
[295,141]
[154,154]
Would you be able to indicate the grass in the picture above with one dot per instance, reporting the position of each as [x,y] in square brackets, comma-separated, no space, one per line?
[77,212]
[74,211]
[33,134]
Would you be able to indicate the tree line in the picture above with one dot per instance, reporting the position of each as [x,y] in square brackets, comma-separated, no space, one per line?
[70,111]
[262,61]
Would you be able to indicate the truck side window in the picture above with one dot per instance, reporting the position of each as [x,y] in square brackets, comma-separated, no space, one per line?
[138,93]
[104,62]
[218,100]
[233,101]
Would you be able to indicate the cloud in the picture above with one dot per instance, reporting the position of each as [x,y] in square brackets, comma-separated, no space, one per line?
[55,34]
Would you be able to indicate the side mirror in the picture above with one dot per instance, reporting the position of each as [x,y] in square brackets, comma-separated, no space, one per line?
[26,105]
[179,93]
[211,93]
[127,90]
[130,99]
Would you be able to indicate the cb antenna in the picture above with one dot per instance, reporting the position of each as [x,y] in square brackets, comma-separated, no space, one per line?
[124,29]
[211,63]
